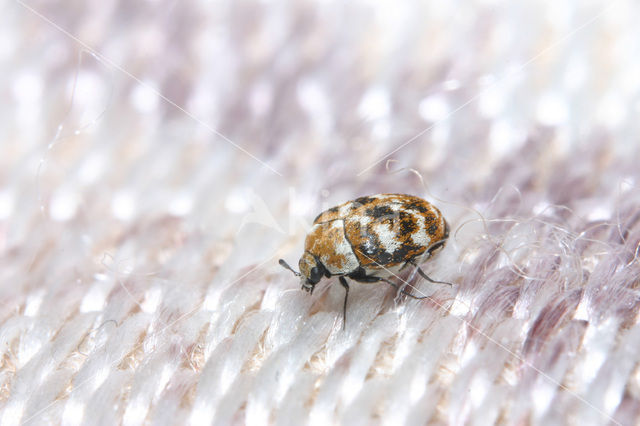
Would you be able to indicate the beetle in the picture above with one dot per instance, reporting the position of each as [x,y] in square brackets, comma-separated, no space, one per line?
[369,236]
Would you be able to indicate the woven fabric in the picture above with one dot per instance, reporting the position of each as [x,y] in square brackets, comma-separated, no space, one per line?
[158,158]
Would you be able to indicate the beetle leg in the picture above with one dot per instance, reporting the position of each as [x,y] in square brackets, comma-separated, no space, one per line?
[344,283]
[403,291]
[373,279]
[426,277]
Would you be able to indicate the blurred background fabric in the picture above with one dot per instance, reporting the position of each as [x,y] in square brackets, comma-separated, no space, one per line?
[157,158]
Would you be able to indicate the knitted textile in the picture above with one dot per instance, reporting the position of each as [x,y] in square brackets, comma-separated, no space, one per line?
[158,158]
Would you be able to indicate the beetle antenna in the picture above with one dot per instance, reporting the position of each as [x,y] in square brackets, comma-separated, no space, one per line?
[285,265]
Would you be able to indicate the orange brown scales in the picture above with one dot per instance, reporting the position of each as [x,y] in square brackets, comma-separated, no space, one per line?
[325,241]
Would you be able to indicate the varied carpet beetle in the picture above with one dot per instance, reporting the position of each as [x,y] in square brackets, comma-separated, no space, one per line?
[370,236]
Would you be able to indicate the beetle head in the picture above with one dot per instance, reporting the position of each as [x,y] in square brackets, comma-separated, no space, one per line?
[311,271]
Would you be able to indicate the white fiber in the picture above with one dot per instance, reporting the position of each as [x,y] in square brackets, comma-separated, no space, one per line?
[158,158]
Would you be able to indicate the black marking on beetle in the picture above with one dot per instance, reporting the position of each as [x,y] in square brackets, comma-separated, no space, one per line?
[385,257]
[442,242]
[372,249]
[378,212]
[364,200]
[402,252]
[416,206]
[368,247]
[407,224]
[429,219]
[432,229]
[320,264]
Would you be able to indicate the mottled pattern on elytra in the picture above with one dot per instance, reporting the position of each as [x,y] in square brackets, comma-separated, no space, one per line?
[385,229]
